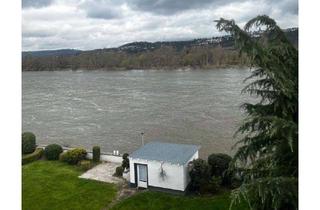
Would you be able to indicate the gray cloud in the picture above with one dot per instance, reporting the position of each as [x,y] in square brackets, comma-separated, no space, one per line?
[91,24]
[169,7]
[103,13]
[101,9]
[37,34]
[287,6]
[36,3]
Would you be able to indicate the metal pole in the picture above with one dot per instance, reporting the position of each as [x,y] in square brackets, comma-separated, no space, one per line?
[142,141]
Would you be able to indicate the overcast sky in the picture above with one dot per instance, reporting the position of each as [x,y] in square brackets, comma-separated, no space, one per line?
[92,24]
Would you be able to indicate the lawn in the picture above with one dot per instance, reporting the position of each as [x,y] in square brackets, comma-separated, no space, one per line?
[53,185]
[163,201]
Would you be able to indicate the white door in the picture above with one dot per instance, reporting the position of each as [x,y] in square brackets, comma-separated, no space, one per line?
[142,176]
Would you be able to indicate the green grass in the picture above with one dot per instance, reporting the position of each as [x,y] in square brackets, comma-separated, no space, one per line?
[53,185]
[163,201]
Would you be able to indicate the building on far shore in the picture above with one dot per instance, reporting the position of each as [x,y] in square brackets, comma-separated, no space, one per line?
[162,166]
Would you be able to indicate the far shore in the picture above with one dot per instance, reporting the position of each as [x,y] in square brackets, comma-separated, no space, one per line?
[184,68]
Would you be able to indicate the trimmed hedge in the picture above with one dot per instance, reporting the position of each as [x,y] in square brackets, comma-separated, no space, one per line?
[37,154]
[199,175]
[73,156]
[53,151]
[119,171]
[28,142]
[96,153]
[219,163]
[125,161]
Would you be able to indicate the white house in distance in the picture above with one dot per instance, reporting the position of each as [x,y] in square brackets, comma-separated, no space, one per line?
[162,166]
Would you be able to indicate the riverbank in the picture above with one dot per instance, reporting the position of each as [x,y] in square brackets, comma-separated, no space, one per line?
[164,68]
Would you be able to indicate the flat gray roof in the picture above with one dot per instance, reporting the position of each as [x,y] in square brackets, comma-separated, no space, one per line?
[167,152]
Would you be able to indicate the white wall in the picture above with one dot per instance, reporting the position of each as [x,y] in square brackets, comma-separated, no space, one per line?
[107,157]
[175,179]
[185,168]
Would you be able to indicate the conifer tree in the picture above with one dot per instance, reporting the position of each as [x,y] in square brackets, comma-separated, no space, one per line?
[267,153]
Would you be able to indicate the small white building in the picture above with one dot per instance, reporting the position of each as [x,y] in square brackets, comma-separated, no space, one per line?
[162,166]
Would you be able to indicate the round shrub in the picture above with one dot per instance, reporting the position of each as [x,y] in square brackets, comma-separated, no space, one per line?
[219,163]
[28,142]
[73,156]
[52,151]
[96,153]
[28,158]
[119,171]
[199,175]
[125,161]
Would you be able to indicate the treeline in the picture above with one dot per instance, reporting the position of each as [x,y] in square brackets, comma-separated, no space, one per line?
[163,57]
[198,53]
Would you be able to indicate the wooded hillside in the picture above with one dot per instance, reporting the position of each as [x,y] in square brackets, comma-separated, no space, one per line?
[198,53]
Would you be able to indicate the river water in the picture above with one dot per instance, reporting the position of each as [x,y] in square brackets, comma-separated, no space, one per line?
[112,108]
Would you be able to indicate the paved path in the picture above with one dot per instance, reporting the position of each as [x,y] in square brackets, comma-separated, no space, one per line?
[103,172]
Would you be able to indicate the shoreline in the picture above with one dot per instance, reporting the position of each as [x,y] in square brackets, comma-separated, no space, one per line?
[185,68]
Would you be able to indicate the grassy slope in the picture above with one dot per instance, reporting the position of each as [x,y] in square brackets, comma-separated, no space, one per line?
[162,201]
[54,185]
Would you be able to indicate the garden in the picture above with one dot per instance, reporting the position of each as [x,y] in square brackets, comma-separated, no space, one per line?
[50,180]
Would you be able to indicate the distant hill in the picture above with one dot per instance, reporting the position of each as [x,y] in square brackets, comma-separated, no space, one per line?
[224,41]
[43,53]
[203,52]
[134,47]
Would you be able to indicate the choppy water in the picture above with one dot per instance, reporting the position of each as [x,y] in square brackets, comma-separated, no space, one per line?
[111,108]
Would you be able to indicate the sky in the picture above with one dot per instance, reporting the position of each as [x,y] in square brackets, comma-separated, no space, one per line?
[94,24]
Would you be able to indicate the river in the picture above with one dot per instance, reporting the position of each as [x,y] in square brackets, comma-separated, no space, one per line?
[112,108]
